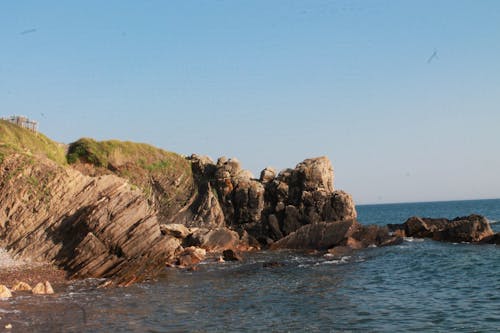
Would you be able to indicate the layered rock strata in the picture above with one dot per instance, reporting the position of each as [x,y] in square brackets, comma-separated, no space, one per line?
[90,226]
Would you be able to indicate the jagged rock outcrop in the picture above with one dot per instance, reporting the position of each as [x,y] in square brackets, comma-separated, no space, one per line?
[305,195]
[122,210]
[472,228]
[275,205]
[90,226]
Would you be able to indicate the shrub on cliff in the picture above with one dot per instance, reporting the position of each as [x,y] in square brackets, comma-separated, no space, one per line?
[165,177]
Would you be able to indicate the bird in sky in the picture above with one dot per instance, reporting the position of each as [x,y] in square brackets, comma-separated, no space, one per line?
[433,56]
[29,31]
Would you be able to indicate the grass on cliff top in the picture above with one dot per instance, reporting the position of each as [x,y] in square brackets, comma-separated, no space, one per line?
[15,139]
[113,154]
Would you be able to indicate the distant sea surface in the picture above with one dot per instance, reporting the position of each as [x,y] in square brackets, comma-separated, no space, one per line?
[418,286]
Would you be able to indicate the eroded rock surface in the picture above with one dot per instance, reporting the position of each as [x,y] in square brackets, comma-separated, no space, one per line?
[274,205]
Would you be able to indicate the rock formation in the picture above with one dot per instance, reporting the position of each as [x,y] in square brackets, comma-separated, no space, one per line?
[123,211]
[44,288]
[471,229]
[273,206]
[90,226]
[21,286]
[5,292]
[328,235]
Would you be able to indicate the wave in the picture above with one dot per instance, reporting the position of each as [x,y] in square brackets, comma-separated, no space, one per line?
[494,222]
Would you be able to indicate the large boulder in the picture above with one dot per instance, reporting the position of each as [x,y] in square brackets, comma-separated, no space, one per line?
[472,228]
[213,240]
[345,234]
[318,236]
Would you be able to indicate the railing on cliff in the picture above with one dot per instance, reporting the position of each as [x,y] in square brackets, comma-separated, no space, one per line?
[23,122]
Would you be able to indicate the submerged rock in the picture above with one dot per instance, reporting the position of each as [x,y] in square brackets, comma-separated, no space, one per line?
[272,264]
[230,255]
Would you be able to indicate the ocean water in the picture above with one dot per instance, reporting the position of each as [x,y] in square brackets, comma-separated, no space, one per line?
[418,286]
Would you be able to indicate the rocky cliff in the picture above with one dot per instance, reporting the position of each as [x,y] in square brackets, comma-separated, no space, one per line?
[123,210]
[99,212]
[90,226]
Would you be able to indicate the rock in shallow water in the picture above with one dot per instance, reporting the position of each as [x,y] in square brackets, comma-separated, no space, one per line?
[230,255]
[43,288]
[4,292]
[471,229]
[21,286]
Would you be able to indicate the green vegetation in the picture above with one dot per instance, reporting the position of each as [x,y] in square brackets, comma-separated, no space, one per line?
[121,155]
[165,178]
[17,139]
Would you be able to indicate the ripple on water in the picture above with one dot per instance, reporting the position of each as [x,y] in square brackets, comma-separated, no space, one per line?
[422,286]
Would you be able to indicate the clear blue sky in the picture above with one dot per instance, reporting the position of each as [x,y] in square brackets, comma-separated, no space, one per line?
[272,83]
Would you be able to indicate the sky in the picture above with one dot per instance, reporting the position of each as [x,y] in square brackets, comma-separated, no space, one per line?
[402,96]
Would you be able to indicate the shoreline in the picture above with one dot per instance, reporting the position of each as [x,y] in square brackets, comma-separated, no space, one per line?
[16,270]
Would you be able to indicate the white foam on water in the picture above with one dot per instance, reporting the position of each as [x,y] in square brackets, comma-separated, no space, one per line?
[342,260]
[7,261]
[415,240]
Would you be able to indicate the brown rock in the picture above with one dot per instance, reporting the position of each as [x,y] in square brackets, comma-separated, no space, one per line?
[340,251]
[4,292]
[472,228]
[248,242]
[21,286]
[214,240]
[292,220]
[43,289]
[272,264]
[320,236]
[175,230]
[191,256]
[90,226]
[230,255]
[267,175]
[353,243]
[315,173]
[493,239]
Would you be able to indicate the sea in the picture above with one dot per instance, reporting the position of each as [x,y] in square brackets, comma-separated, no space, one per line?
[417,286]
